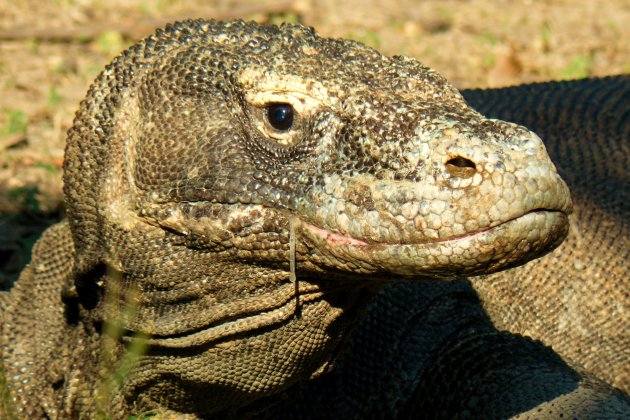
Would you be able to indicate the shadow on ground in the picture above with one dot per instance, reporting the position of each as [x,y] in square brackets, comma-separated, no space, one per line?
[19,230]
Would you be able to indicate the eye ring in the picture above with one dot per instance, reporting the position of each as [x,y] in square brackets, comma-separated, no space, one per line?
[280,116]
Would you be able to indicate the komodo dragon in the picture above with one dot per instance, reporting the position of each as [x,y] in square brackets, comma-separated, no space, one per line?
[275,216]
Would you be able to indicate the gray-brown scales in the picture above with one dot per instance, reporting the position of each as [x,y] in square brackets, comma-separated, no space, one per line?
[212,161]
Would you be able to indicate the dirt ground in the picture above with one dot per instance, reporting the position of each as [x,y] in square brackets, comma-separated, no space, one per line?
[50,51]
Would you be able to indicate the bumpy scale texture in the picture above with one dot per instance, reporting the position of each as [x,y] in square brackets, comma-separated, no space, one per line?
[189,203]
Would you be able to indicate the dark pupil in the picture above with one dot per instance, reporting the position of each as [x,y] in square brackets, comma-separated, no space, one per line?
[280,116]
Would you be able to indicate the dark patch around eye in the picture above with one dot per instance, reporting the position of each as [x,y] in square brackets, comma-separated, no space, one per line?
[280,116]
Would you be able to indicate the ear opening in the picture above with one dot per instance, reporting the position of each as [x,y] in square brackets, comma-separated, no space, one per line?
[84,291]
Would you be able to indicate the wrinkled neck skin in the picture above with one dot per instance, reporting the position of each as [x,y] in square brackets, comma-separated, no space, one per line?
[209,284]
[223,330]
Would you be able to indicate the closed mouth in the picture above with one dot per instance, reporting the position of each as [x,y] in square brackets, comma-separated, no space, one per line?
[506,244]
[337,239]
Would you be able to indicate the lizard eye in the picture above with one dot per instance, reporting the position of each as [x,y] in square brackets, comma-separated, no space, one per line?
[280,116]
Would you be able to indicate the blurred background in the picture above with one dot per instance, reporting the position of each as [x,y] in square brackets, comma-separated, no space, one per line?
[51,50]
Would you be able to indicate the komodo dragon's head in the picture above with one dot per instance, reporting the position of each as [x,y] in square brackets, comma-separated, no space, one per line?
[199,151]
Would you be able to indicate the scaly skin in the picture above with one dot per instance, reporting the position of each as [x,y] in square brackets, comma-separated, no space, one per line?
[576,299]
[181,195]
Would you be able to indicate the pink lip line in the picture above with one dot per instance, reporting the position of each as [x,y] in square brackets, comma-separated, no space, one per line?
[335,238]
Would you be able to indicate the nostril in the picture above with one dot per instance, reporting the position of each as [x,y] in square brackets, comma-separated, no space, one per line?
[461,167]
[461,162]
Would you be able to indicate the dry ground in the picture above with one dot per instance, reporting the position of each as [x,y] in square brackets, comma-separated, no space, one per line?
[50,51]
